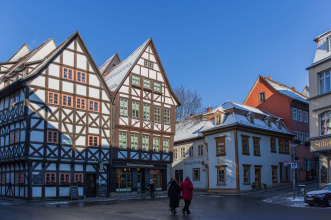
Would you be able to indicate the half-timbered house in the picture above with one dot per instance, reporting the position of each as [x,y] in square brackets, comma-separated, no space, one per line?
[55,124]
[144,121]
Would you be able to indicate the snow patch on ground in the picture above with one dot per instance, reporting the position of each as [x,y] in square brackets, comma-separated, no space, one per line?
[298,199]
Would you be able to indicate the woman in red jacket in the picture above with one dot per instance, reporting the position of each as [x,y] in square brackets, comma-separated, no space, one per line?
[187,188]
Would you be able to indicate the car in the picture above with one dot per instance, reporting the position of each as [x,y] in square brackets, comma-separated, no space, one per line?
[319,197]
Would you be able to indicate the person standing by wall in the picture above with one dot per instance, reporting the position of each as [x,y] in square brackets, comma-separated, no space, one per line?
[173,194]
[187,194]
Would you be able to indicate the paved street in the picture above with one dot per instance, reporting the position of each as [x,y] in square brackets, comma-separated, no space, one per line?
[204,206]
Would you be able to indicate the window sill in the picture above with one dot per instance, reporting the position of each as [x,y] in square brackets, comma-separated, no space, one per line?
[148,89]
[257,155]
[273,151]
[221,184]
[247,184]
[246,154]
[136,86]
[220,155]
[157,92]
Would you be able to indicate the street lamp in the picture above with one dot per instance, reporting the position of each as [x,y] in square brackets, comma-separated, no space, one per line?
[294,145]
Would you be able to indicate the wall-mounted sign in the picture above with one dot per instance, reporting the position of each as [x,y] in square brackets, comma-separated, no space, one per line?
[220,160]
[139,165]
[320,144]
[38,179]
[193,162]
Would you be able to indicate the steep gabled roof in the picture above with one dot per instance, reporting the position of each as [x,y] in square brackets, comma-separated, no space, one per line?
[24,50]
[281,89]
[116,76]
[105,66]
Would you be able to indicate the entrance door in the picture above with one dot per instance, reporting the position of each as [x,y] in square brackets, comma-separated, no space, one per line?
[258,177]
[179,176]
[90,185]
[139,183]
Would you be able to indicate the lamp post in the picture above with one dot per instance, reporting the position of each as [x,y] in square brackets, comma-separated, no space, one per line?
[293,173]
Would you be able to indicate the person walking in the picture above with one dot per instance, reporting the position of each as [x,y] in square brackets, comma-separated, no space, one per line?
[173,194]
[187,195]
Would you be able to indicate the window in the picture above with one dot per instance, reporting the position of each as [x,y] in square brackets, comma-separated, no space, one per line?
[157,86]
[274,174]
[307,164]
[284,173]
[220,146]
[67,73]
[247,174]
[286,146]
[50,178]
[245,144]
[80,103]
[134,141]
[175,154]
[196,174]
[251,119]
[17,136]
[295,114]
[221,175]
[11,99]
[305,117]
[93,141]
[11,137]
[296,137]
[280,124]
[19,178]
[262,97]
[124,107]
[122,140]
[156,144]
[182,152]
[135,80]
[218,120]
[190,151]
[301,137]
[146,112]
[325,123]
[135,109]
[145,145]
[256,146]
[324,82]
[166,145]
[280,146]
[53,98]
[306,137]
[157,114]
[93,106]
[81,77]
[79,178]
[147,83]
[273,145]
[300,116]
[67,100]
[200,150]
[17,97]
[167,116]
[148,64]
[268,123]
[3,179]
[64,178]
[52,137]
[151,65]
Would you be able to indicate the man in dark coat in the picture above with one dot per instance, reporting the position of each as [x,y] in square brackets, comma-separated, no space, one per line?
[173,194]
[187,188]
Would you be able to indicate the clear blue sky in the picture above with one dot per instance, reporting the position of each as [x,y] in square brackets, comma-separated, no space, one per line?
[216,47]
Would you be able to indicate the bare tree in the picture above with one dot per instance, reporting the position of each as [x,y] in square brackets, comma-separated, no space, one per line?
[191,102]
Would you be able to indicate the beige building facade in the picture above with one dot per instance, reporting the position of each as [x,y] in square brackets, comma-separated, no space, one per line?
[320,105]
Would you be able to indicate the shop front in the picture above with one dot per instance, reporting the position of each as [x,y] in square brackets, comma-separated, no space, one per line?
[134,177]
[322,147]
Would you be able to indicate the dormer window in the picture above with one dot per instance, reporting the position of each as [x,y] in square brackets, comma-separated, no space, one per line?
[218,120]
[269,123]
[280,124]
[251,119]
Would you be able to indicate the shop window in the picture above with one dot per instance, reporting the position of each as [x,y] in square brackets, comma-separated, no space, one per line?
[200,150]
[220,146]
[156,144]
[274,174]
[134,141]
[93,106]
[67,73]
[166,145]
[53,98]
[123,180]
[157,114]
[196,174]
[156,176]
[157,86]
[67,100]
[135,80]
[135,109]
[145,144]
[124,107]
[221,175]
[65,179]
[122,140]
[273,147]
[247,174]
[167,116]
[245,144]
[93,141]
[81,77]
[256,146]
[146,112]
[50,178]
[80,103]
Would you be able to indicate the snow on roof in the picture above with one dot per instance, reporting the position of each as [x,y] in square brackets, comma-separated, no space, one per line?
[119,72]
[189,128]
[231,104]
[104,66]
[285,90]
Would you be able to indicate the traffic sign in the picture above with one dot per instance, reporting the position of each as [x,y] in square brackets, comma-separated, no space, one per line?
[294,165]
[285,163]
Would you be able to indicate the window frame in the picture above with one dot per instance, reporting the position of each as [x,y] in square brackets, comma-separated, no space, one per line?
[67,97]
[144,143]
[324,78]
[294,114]
[193,174]
[51,174]
[200,150]
[157,114]
[146,113]
[273,150]
[190,151]
[175,154]
[122,140]
[17,136]
[244,138]
[156,144]
[12,137]
[124,110]
[82,73]
[146,85]
[300,115]
[135,109]
[66,179]
[134,141]
[94,138]
[135,78]
[219,168]
[167,113]
[281,149]
[80,101]
[157,88]
[77,177]
[248,167]
[219,151]
[274,168]
[259,146]
[305,117]
[50,134]
[93,108]
[182,152]
[166,145]
[73,73]
[260,97]
[53,93]
[286,146]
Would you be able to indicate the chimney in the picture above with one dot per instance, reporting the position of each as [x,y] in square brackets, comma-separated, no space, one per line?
[293,88]
[209,109]
[269,77]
